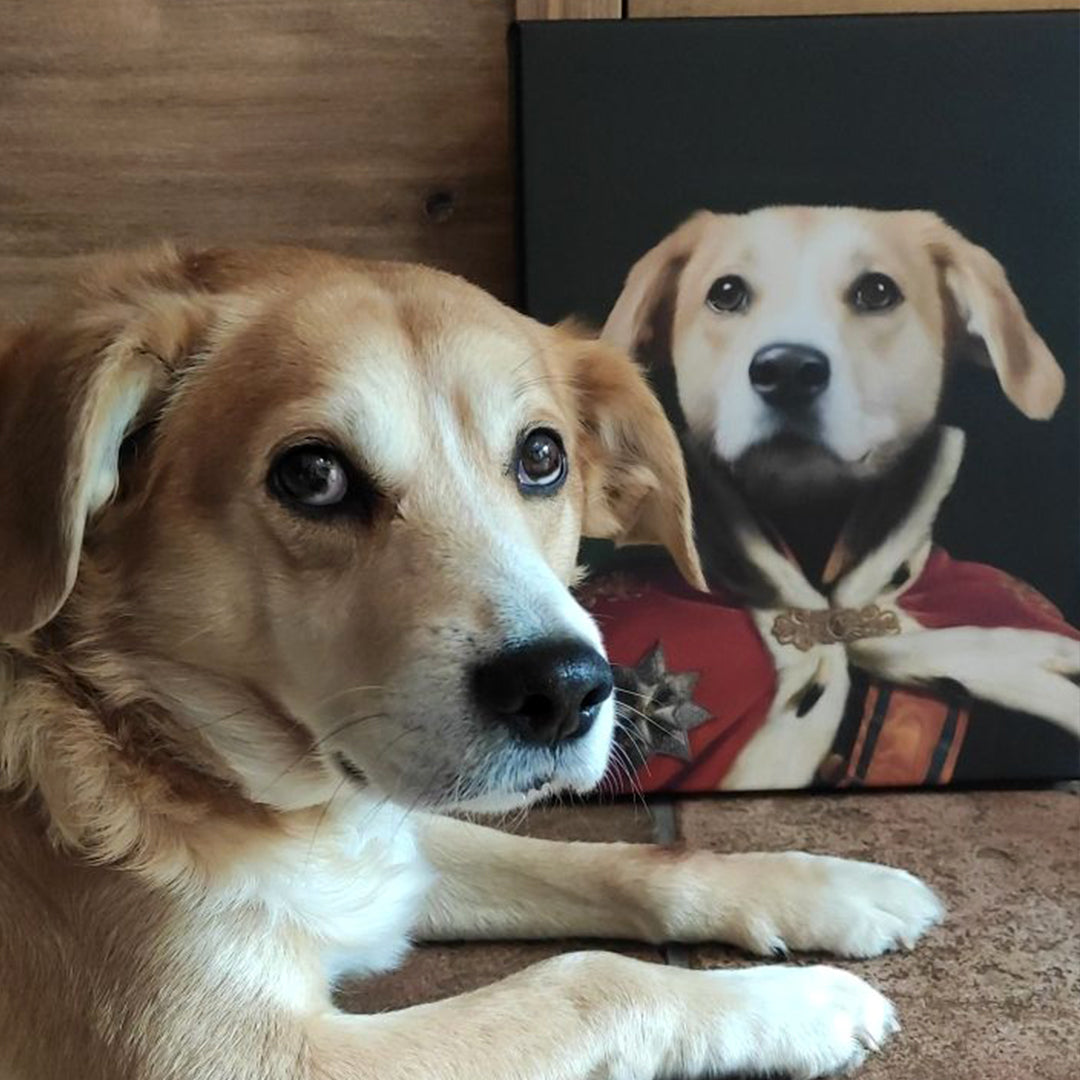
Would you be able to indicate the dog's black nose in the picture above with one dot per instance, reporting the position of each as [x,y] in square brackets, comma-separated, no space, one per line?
[789,375]
[546,692]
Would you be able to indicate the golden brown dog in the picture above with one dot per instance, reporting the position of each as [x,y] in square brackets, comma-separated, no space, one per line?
[283,565]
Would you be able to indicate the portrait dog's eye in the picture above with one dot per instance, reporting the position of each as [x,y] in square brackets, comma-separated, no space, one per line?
[541,462]
[729,293]
[874,292]
[310,476]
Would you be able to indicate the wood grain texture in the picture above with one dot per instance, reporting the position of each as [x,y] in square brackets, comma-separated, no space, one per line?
[375,127]
[671,9]
[569,9]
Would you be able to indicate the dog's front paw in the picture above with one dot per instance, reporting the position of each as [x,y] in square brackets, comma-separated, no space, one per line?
[771,904]
[812,902]
[802,1022]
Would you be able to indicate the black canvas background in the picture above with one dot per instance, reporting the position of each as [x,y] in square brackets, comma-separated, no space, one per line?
[625,127]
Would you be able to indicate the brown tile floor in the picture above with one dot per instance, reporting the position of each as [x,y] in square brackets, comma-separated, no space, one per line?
[994,994]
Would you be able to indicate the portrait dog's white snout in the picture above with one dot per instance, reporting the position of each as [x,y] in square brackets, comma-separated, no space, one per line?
[809,345]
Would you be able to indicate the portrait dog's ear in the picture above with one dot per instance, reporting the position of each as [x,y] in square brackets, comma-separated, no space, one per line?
[634,476]
[72,385]
[987,308]
[641,319]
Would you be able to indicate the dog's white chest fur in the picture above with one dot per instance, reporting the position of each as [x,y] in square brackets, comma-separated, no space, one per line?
[353,885]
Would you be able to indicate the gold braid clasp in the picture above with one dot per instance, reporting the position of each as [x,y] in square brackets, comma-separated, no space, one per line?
[804,628]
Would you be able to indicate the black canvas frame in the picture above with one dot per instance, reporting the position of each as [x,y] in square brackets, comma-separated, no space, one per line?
[625,127]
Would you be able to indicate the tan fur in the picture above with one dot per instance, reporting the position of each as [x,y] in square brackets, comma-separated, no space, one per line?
[185,864]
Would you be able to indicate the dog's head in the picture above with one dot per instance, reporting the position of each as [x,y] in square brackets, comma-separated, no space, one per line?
[810,344]
[327,512]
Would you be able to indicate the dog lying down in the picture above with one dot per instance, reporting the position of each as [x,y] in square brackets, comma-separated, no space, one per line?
[284,558]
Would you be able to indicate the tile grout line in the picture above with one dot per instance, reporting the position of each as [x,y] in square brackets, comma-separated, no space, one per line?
[665,827]
[666,832]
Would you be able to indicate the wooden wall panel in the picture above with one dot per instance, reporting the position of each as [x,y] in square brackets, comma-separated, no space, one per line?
[569,9]
[377,127]
[659,9]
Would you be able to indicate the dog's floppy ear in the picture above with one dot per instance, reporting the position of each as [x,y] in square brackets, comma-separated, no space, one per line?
[72,385]
[634,477]
[650,288]
[987,308]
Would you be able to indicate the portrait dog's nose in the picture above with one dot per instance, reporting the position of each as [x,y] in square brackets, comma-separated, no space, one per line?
[545,692]
[788,376]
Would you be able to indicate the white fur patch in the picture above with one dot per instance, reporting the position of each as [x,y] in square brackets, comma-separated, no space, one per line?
[353,883]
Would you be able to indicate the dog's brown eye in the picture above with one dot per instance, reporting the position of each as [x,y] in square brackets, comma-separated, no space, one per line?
[541,462]
[729,293]
[312,476]
[874,292]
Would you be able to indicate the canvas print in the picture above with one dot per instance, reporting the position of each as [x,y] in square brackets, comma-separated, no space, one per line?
[870,357]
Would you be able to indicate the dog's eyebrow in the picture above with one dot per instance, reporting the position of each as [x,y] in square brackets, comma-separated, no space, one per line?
[544,377]
[523,386]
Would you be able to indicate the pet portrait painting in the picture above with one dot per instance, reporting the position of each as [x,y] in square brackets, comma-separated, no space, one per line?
[848,259]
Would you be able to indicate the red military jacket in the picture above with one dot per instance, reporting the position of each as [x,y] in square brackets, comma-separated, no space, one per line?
[874,677]
[698,667]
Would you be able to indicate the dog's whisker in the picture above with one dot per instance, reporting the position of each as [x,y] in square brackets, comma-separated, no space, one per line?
[322,702]
[407,730]
[638,740]
[659,724]
[632,693]
[314,748]
[201,632]
[421,797]
[355,792]
[246,711]
[625,764]
[322,817]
